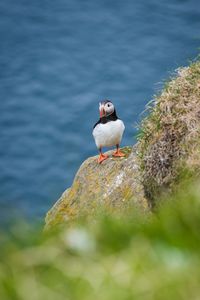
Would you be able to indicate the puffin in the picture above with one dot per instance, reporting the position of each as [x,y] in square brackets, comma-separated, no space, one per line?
[108,131]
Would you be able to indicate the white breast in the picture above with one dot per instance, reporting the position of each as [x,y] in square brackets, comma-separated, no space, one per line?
[108,134]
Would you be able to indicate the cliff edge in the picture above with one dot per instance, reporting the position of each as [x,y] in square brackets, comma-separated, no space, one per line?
[168,152]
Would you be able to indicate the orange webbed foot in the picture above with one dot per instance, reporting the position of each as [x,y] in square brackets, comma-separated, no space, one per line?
[118,153]
[102,157]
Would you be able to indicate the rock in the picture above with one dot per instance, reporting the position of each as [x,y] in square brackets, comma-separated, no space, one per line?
[112,185]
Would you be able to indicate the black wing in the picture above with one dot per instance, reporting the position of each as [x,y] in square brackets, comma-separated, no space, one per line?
[97,123]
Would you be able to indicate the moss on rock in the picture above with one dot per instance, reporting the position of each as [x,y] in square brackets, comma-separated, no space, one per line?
[113,185]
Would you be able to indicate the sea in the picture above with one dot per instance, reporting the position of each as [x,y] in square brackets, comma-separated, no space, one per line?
[58,60]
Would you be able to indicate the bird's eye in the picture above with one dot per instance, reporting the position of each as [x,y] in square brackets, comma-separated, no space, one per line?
[108,105]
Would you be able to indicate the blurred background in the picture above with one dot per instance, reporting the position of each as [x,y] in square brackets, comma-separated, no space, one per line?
[58,59]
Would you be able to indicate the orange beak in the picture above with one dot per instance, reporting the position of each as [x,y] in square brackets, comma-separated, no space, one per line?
[102,112]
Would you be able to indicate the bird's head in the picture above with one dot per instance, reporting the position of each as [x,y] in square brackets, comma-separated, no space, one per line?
[106,108]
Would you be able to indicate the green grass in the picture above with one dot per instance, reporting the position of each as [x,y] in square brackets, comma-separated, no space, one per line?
[126,256]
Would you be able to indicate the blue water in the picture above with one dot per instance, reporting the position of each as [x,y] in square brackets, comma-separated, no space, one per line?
[58,59]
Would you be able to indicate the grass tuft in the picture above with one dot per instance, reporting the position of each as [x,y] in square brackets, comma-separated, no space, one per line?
[170,135]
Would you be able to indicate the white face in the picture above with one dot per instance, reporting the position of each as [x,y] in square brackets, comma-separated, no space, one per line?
[106,109]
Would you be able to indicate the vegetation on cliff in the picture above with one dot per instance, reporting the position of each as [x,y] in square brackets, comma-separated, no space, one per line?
[170,135]
[111,257]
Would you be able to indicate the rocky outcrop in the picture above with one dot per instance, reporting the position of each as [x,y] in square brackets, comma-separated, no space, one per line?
[112,185]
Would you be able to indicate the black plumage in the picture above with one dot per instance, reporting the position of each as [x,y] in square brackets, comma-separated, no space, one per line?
[106,119]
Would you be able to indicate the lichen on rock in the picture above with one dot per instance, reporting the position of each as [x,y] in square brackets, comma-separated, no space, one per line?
[112,185]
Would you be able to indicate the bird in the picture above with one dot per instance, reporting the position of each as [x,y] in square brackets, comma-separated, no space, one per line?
[108,131]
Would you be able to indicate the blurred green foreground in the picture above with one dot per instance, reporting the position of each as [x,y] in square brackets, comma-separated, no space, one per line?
[121,256]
